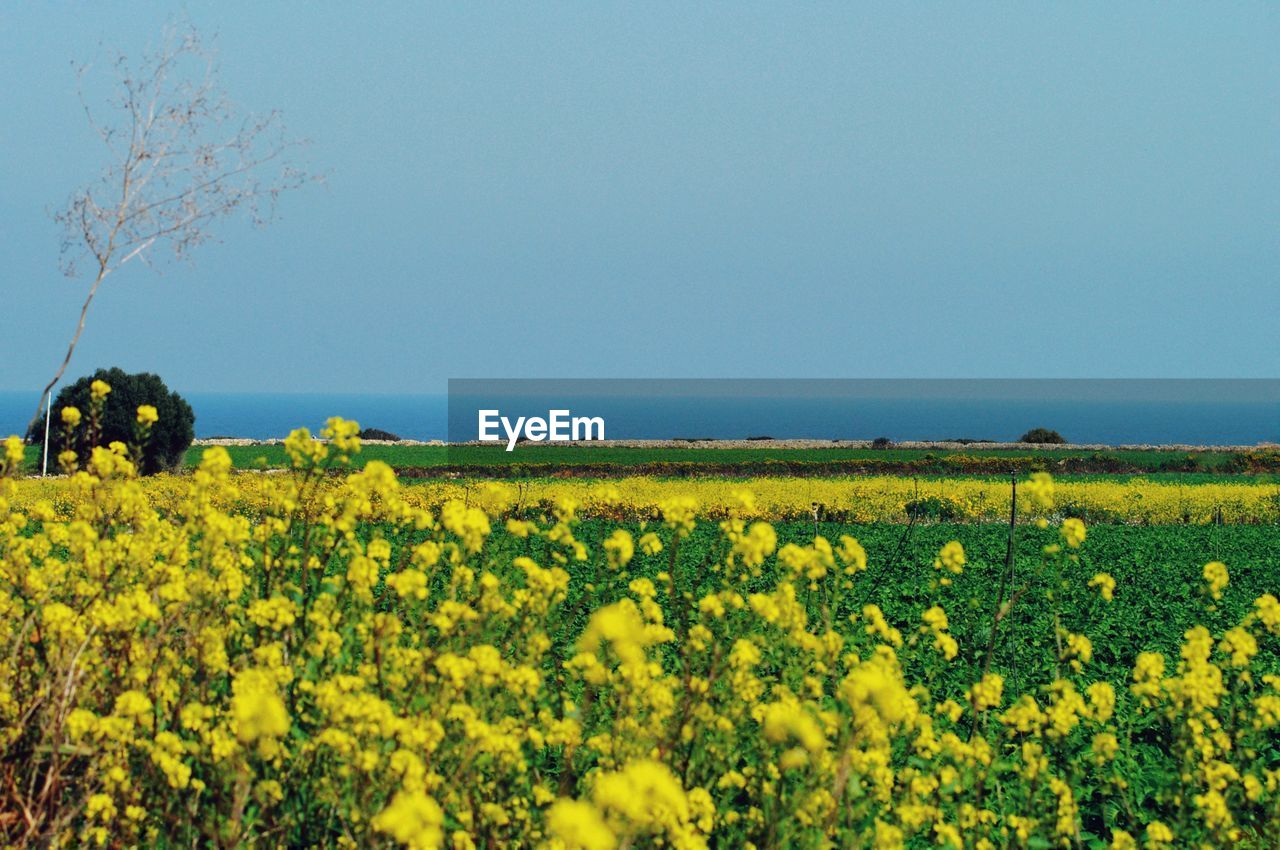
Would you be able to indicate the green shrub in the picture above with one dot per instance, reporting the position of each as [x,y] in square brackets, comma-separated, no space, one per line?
[1042,435]
[1091,515]
[378,434]
[170,436]
[934,508]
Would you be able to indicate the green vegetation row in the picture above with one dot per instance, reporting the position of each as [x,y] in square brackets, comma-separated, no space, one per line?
[598,462]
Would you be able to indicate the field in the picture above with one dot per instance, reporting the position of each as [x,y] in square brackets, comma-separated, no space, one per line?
[319,657]
[1125,500]
[531,461]
[694,461]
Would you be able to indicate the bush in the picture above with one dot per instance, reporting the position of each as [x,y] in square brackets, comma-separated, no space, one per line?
[882,443]
[378,434]
[934,508]
[1094,515]
[171,434]
[1042,435]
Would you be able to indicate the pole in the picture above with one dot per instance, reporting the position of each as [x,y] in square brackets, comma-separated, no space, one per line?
[48,411]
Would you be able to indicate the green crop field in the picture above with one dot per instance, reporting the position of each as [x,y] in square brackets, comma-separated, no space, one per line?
[1157,571]
[541,460]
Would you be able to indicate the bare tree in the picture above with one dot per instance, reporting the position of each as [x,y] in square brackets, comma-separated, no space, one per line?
[180,157]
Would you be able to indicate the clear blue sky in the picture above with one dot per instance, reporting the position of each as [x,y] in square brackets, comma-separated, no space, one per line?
[653,190]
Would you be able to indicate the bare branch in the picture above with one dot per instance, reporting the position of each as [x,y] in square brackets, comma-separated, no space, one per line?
[180,157]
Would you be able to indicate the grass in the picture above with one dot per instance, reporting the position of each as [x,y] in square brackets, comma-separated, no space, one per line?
[532,461]
[542,461]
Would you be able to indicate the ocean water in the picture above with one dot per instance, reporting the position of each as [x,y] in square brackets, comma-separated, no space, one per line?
[1121,418]
[1113,411]
[265,416]
[1002,420]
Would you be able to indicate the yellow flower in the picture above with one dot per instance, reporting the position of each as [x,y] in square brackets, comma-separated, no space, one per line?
[14,451]
[276,613]
[947,645]
[1105,746]
[1073,532]
[878,625]
[759,542]
[987,692]
[147,415]
[1078,647]
[650,544]
[935,618]
[256,708]
[784,721]
[1158,836]
[100,807]
[413,819]
[621,627]
[645,795]
[343,434]
[1121,840]
[1240,645]
[948,835]
[303,451]
[1213,808]
[1040,486]
[679,513]
[1024,715]
[951,558]
[1267,610]
[1215,573]
[71,416]
[935,621]
[1148,672]
[852,554]
[1102,700]
[98,390]
[580,826]
[619,548]
[877,685]
[469,524]
[1106,585]
[136,705]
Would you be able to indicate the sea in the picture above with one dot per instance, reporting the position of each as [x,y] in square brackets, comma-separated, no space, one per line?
[1209,415]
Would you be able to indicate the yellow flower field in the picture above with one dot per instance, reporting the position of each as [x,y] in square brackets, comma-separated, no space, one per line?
[885,498]
[307,660]
[856,499]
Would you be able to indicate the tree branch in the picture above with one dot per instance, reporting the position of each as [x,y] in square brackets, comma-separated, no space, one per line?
[190,160]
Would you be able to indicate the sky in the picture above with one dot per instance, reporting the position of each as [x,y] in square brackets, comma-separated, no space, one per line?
[657,190]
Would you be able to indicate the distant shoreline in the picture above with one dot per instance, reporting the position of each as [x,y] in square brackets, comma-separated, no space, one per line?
[799,444]
[805,423]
